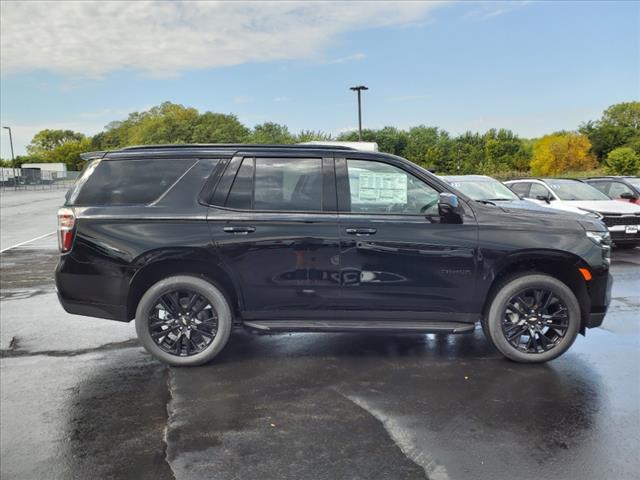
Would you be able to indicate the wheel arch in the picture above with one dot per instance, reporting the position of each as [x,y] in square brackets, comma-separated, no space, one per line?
[558,264]
[153,272]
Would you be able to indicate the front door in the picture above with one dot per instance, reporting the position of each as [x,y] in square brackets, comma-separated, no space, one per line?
[395,253]
[277,234]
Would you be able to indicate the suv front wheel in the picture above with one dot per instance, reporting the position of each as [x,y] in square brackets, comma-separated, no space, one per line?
[532,318]
[183,320]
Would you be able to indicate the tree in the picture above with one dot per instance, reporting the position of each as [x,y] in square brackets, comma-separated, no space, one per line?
[619,126]
[554,154]
[503,150]
[311,136]
[623,161]
[47,140]
[419,140]
[271,133]
[219,128]
[69,153]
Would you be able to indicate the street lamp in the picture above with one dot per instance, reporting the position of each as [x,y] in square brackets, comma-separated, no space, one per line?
[10,143]
[358,89]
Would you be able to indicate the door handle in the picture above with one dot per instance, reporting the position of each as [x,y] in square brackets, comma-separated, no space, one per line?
[239,230]
[361,231]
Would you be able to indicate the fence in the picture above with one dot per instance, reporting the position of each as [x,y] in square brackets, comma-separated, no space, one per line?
[35,179]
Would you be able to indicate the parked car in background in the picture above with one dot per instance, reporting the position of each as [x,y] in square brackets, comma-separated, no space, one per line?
[195,240]
[482,188]
[618,188]
[622,219]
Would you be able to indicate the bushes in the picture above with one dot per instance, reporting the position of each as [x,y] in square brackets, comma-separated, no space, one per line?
[623,161]
[558,153]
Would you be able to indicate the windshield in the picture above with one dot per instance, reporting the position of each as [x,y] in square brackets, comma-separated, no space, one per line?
[483,190]
[572,190]
[634,181]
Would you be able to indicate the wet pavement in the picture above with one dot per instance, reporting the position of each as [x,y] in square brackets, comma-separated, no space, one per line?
[80,399]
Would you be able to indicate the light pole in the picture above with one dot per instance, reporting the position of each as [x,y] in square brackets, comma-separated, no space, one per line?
[10,143]
[358,89]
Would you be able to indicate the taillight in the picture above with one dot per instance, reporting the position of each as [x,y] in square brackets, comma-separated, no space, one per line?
[66,222]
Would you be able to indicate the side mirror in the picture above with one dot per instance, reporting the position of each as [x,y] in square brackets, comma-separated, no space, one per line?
[544,198]
[449,208]
[628,196]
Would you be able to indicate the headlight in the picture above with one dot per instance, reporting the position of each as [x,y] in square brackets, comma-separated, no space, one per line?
[602,239]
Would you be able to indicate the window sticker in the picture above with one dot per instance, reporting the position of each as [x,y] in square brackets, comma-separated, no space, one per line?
[376,187]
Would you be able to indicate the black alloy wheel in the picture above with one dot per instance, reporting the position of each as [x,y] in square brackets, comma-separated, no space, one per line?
[182,322]
[535,320]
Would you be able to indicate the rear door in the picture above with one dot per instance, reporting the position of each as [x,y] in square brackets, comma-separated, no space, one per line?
[396,255]
[275,225]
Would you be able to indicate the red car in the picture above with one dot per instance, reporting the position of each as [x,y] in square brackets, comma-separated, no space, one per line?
[626,189]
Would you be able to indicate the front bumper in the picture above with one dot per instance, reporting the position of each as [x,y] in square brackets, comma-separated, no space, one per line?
[619,237]
[600,297]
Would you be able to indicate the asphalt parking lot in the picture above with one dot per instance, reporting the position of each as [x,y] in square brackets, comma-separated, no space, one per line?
[79,398]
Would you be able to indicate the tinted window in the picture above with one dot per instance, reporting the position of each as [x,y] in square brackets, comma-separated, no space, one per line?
[126,182]
[617,189]
[602,186]
[521,189]
[538,190]
[290,184]
[241,194]
[377,187]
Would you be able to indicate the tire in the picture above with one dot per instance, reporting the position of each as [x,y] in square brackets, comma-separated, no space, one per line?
[501,319]
[217,306]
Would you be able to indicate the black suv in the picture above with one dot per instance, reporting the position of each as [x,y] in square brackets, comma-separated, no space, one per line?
[195,240]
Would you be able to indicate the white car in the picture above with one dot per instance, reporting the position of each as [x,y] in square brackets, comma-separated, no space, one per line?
[622,219]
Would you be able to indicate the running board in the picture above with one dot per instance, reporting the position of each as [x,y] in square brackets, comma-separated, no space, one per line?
[358,326]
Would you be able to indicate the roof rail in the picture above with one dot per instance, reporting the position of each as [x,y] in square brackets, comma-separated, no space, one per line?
[93,155]
[238,146]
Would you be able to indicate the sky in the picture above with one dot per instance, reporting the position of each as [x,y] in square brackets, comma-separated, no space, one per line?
[532,67]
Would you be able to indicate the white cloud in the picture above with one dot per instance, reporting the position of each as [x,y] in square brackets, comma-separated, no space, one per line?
[164,38]
[350,58]
[492,9]
[281,99]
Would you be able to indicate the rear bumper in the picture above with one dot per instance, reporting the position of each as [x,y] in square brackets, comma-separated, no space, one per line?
[99,310]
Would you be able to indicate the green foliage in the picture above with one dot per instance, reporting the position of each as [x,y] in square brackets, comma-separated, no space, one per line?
[493,153]
[47,140]
[618,127]
[623,161]
[171,123]
[271,133]
[313,136]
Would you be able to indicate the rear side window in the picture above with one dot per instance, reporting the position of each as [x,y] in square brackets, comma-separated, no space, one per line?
[241,193]
[127,182]
[521,189]
[278,184]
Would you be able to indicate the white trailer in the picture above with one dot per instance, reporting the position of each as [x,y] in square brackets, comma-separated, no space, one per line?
[9,176]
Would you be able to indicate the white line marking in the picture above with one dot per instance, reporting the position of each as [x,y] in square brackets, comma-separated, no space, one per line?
[28,241]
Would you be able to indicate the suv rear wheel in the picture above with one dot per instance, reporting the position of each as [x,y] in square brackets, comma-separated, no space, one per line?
[533,318]
[183,320]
